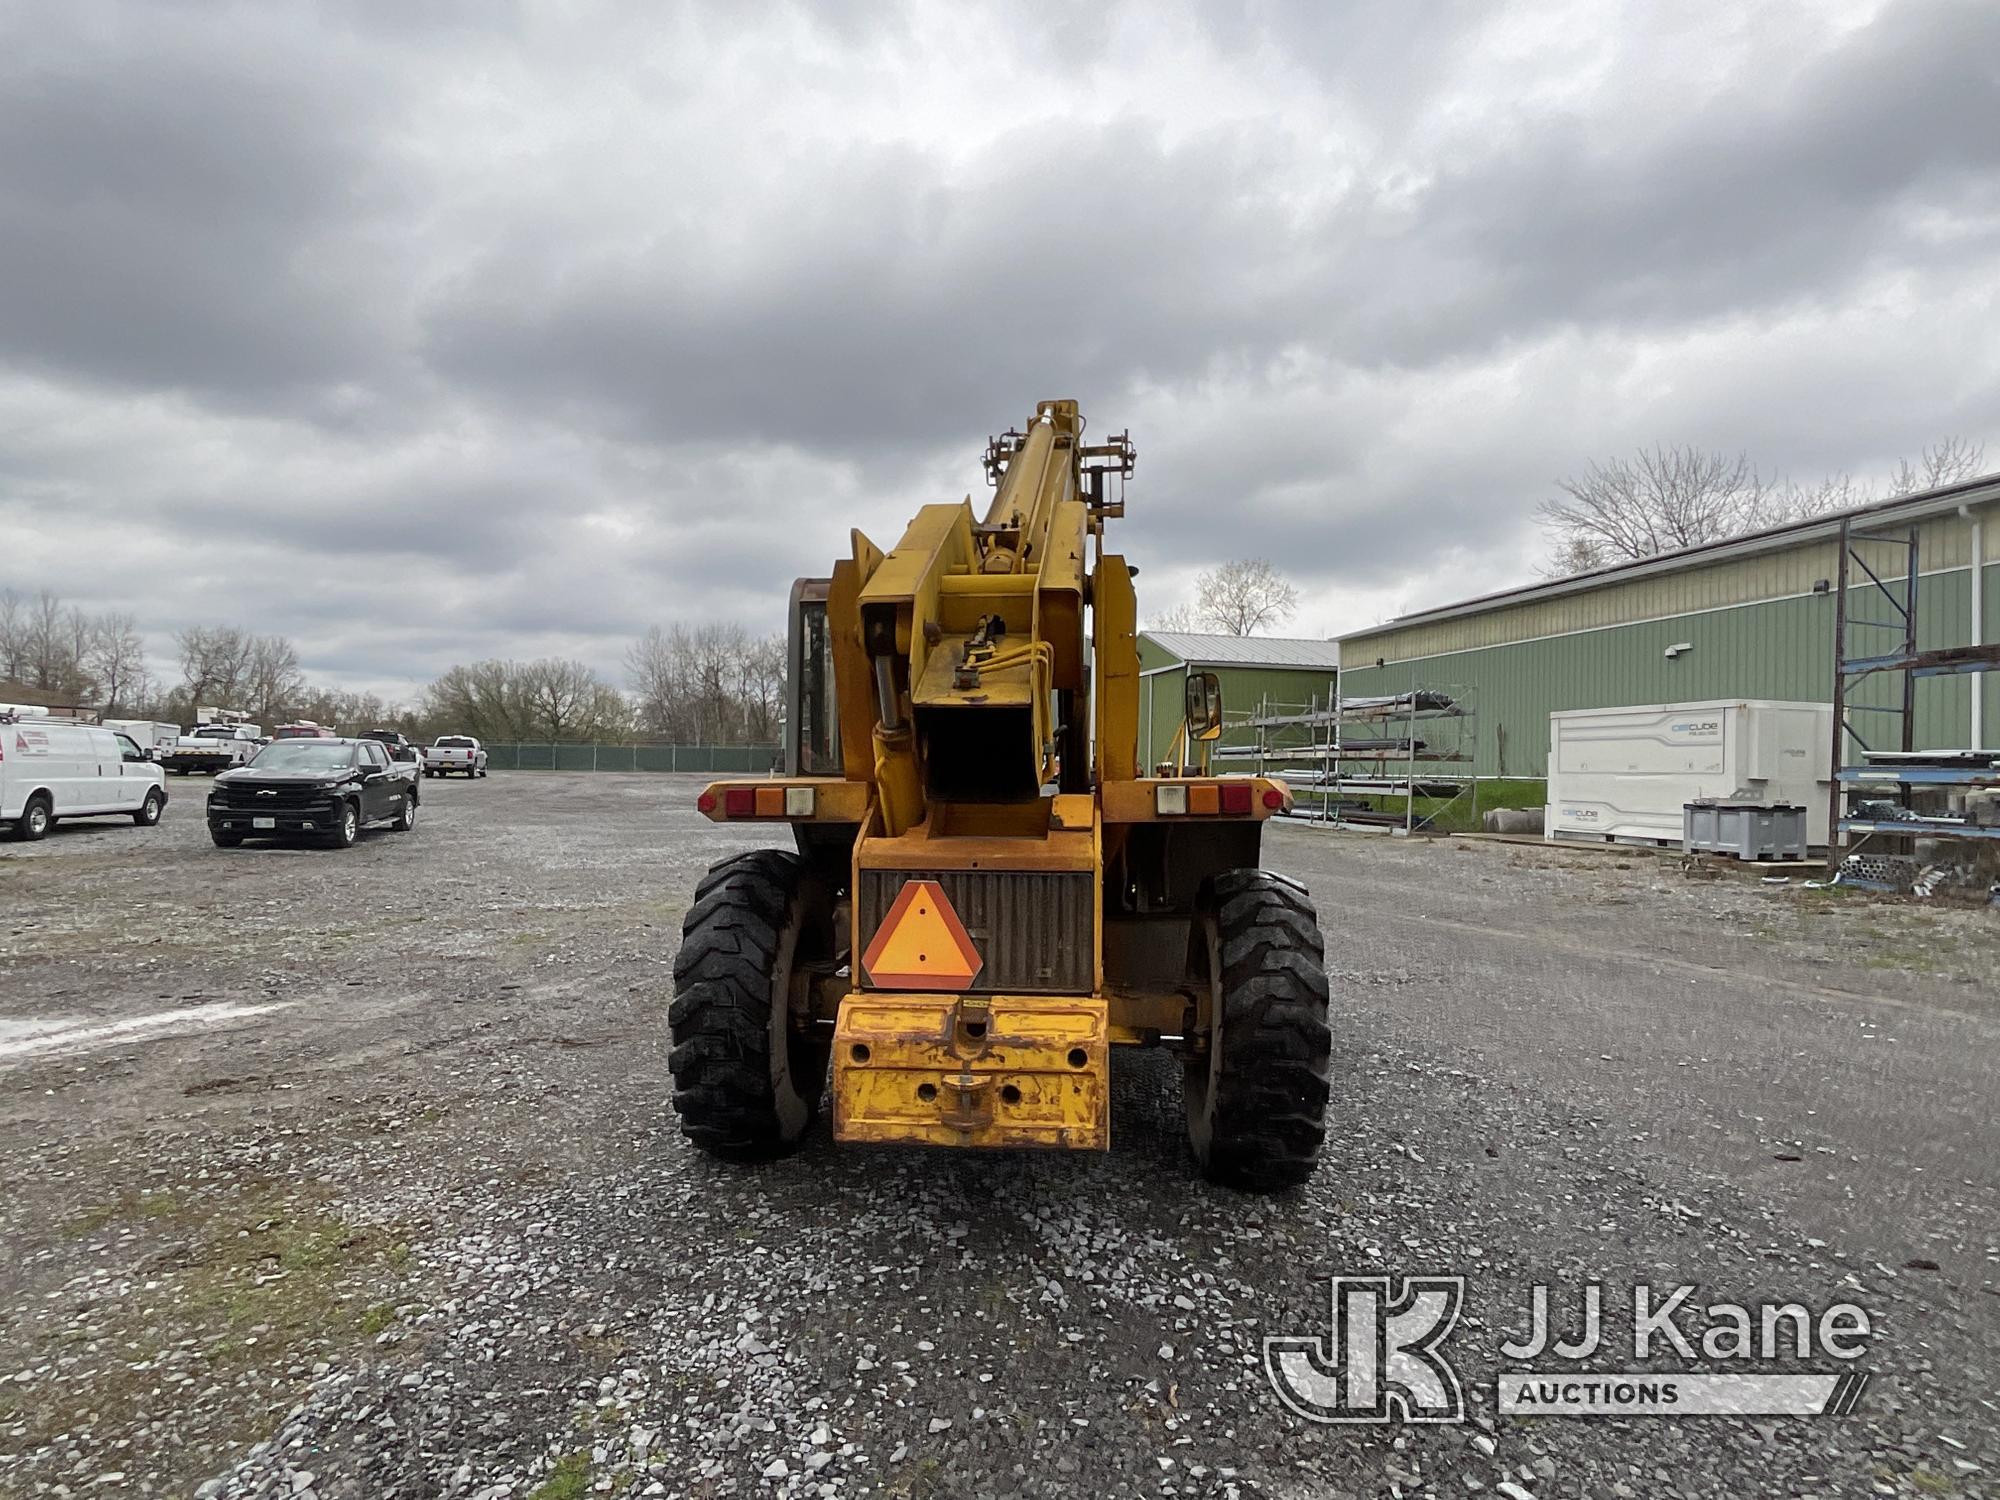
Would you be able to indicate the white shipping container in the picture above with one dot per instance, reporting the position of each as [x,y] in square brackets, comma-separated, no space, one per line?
[1623,774]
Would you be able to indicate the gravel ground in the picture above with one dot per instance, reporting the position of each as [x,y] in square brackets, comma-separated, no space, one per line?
[352,1174]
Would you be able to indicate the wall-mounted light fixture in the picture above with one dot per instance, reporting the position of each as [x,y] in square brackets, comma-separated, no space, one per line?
[1822,585]
[1678,648]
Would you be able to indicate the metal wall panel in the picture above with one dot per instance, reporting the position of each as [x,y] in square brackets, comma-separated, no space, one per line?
[1782,650]
[1944,542]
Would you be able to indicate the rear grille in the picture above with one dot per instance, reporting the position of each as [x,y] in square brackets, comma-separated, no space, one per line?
[1032,928]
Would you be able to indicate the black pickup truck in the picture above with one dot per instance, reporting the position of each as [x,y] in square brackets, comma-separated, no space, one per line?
[325,790]
[397,744]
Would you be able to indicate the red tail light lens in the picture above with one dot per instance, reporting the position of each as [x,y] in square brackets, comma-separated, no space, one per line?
[739,802]
[1273,798]
[705,803]
[1236,796]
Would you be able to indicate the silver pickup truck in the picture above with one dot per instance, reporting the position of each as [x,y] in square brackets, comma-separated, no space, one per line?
[455,754]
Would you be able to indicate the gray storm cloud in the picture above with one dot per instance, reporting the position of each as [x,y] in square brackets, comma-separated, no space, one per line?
[425,334]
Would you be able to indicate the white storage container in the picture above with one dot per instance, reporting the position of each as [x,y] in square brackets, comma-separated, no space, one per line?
[1624,774]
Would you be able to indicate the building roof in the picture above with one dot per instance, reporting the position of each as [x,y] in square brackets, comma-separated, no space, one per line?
[1246,650]
[12,691]
[1918,507]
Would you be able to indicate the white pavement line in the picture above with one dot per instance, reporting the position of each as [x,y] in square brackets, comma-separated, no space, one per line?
[83,1038]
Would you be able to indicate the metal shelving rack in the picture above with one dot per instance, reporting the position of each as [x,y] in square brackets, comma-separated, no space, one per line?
[1411,746]
[1871,653]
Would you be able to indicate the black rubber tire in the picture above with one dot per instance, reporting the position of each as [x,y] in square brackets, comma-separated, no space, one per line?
[37,818]
[149,811]
[347,827]
[1257,1097]
[226,840]
[746,1083]
[406,816]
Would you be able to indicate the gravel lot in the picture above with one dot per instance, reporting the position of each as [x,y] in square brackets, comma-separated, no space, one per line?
[352,1174]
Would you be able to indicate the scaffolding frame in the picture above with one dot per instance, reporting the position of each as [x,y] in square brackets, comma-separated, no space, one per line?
[1869,558]
[1413,746]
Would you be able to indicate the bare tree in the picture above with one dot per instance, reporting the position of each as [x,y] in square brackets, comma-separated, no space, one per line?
[1941,463]
[552,700]
[1660,500]
[117,660]
[1576,553]
[480,699]
[272,684]
[713,651]
[567,702]
[1182,617]
[707,684]
[1668,498]
[1244,597]
[214,661]
[13,636]
[760,684]
[656,668]
[48,665]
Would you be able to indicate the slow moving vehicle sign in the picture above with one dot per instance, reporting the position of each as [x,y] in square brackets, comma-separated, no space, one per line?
[921,944]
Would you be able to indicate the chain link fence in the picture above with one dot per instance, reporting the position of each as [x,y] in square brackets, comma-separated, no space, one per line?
[715,760]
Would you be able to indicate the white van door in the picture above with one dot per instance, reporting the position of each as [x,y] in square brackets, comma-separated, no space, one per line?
[95,781]
[114,790]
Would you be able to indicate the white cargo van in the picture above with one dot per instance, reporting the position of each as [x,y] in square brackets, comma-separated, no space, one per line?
[50,770]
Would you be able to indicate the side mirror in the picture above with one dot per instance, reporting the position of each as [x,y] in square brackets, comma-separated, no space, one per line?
[1204,706]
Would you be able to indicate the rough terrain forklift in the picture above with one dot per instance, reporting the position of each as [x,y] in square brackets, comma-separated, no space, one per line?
[988,892]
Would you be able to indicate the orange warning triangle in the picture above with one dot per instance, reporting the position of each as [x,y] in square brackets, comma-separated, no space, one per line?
[921,944]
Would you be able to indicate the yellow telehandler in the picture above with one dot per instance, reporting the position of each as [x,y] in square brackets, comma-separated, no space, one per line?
[987,892]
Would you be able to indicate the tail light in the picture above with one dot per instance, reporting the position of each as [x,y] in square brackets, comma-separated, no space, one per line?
[762,802]
[1198,798]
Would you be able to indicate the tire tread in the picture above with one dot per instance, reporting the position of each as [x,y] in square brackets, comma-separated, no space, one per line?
[721,1012]
[1275,1081]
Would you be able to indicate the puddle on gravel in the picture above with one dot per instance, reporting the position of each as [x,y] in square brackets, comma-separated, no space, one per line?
[79,1034]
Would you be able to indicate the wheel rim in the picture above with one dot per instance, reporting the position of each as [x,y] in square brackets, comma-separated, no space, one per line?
[793,1109]
[38,819]
[152,809]
[1199,1083]
[409,812]
[350,825]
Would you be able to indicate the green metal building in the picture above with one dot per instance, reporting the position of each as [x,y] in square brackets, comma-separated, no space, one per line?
[1256,673]
[1751,617]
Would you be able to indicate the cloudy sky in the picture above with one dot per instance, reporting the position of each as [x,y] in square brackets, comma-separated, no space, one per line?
[424,332]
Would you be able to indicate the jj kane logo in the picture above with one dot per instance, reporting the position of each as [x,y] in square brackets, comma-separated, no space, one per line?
[1383,1357]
